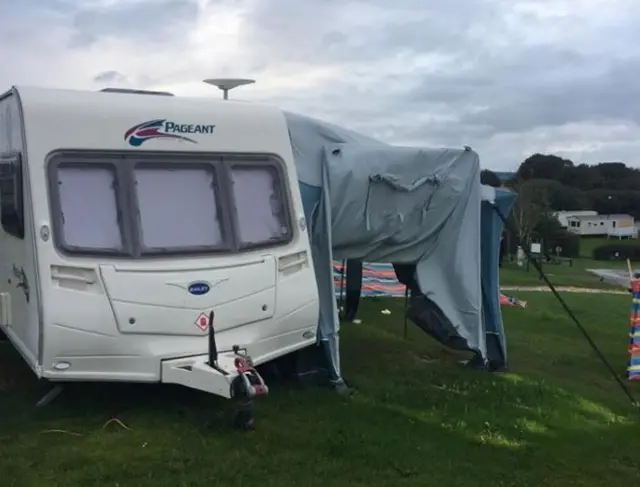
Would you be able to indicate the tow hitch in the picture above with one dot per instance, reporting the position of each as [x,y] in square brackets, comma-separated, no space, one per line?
[247,385]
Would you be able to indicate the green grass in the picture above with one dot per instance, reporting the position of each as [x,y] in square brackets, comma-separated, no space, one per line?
[563,275]
[587,244]
[559,275]
[555,420]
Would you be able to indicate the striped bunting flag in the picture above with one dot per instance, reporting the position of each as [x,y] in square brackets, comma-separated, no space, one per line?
[633,369]
[380,280]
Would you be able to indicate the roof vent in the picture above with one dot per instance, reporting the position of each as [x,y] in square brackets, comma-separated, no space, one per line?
[136,92]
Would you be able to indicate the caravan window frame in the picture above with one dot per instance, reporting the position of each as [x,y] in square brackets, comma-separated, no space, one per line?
[228,243]
[275,164]
[62,160]
[125,162]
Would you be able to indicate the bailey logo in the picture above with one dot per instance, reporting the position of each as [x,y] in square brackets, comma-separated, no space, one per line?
[164,129]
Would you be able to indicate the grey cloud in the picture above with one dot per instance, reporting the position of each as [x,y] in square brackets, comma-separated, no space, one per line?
[17,18]
[498,80]
[161,20]
[480,72]
[613,94]
[23,7]
[110,77]
[331,31]
[541,88]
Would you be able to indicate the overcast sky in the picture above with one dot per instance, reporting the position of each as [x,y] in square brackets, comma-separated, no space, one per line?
[507,77]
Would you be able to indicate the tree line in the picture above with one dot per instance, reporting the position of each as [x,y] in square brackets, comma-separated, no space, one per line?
[607,187]
[546,183]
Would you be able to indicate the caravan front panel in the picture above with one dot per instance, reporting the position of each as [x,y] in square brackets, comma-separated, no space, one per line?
[160,210]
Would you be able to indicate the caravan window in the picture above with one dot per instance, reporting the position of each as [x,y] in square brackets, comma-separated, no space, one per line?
[12,215]
[178,207]
[260,204]
[150,204]
[88,207]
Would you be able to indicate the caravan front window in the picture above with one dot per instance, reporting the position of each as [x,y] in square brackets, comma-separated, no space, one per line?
[145,205]
[88,207]
[178,207]
[260,204]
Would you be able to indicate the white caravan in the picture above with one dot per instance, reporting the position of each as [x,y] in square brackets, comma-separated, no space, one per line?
[127,219]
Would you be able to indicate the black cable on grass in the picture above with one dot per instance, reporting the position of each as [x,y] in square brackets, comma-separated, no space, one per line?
[568,310]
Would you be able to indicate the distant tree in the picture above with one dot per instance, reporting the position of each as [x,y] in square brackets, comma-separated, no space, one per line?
[582,177]
[606,187]
[561,197]
[607,201]
[490,178]
[532,206]
[615,176]
[553,236]
[544,166]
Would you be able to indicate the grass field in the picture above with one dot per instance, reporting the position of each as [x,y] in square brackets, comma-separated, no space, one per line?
[587,244]
[563,274]
[555,420]
[559,275]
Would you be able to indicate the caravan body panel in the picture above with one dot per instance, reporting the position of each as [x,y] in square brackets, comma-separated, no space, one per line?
[18,269]
[117,315]
[239,295]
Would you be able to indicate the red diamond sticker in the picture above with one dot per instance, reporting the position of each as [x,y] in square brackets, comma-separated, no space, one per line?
[202,321]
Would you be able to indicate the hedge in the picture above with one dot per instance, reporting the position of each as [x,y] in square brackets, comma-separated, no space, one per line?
[552,235]
[617,251]
[567,241]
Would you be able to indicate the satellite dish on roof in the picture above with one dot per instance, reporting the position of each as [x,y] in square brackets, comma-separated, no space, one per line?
[226,84]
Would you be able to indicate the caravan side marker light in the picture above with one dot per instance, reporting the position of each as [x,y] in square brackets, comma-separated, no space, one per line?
[61,365]
[44,233]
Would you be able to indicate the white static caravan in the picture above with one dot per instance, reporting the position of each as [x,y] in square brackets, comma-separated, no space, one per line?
[564,216]
[622,226]
[617,225]
[127,218]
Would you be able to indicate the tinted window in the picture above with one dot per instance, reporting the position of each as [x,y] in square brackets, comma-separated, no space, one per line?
[178,207]
[260,205]
[89,209]
[135,205]
[11,208]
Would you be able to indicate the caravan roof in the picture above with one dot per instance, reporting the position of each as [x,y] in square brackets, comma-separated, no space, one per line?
[60,118]
[599,217]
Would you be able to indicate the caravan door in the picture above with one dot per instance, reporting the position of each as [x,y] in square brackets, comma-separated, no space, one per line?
[17,269]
